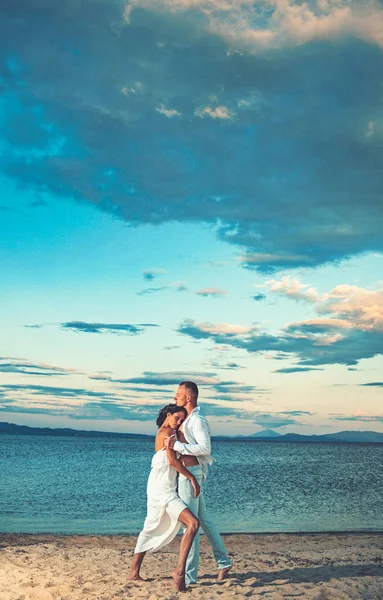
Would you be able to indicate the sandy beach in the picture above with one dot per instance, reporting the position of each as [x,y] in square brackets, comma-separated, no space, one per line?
[318,566]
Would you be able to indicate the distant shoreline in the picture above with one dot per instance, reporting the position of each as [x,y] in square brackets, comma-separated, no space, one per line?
[4,536]
[342,437]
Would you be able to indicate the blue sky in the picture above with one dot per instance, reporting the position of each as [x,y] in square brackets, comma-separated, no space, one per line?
[192,190]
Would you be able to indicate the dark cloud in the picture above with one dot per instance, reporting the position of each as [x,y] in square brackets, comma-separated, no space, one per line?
[151,274]
[296,370]
[152,290]
[359,418]
[151,378]
[273,421]
[267,147]
[233,387]
[211,293]
[259,297]
[372,384]
[309,342]
[116,328]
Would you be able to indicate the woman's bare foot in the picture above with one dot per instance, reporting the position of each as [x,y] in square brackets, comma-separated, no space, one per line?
[135,577]
[179,581]
[222,573]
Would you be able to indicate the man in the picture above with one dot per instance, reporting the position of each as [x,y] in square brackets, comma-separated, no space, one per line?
[194,446]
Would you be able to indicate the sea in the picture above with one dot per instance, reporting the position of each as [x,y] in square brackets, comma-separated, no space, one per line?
[78,485]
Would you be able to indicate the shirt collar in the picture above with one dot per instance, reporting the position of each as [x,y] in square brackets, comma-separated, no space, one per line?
[195,411]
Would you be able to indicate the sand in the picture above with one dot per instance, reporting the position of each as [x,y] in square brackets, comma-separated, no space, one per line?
[318,566]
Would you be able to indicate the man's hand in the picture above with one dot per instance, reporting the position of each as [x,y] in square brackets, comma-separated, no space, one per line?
[169,442]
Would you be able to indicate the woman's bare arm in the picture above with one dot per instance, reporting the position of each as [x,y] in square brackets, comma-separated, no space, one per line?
[172,456]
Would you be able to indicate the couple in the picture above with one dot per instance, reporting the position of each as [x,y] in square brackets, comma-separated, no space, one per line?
[182,447]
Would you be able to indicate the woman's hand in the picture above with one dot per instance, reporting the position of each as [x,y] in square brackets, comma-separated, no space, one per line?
[196,487]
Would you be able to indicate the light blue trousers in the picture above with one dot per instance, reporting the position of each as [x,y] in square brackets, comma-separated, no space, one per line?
[198,507]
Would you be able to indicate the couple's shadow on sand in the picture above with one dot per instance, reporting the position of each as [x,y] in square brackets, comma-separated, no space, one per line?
[299,575]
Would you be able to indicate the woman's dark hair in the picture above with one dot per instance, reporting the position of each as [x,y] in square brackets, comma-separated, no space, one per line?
[169,408]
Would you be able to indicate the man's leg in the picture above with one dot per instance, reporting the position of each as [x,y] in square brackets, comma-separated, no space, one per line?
[211,530]
[186,493]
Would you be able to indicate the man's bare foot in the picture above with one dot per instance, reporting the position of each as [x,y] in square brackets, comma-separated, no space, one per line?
[135,577]
[179,581]
[222,573]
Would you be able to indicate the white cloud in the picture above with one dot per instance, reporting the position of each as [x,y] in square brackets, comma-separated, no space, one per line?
[213,292]
[219,112]
[292,288]
[370,129]
[252,25]
[351,306]
[225,329]
[168,112]
[362,307]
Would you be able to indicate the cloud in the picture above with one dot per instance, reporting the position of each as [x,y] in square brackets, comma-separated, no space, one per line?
[349,306]
[253,26]
[218,112]
[314,342]
[31,368]
[168,112]
[232,366]
[211,292]
[362,418]
[79,403]
[296,370]
[372,384]
[358,306]
[259,297]
[96,409]
[292,288]
[293,180]
[233,387]
[270,262]
[151,274]
[115,328]
[172,378]
[180,286]
[152,290]
[63,392]
[151,390]
[175,286]
[224,329]
[277,420]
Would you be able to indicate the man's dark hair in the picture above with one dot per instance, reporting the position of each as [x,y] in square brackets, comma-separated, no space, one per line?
[190,385]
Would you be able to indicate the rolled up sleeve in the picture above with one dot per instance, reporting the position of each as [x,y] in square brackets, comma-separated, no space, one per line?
[201,433]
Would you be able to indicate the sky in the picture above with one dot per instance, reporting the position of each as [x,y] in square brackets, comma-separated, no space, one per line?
[192,190]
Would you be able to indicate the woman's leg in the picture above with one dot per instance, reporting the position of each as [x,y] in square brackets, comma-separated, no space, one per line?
[192,524]
[134,573]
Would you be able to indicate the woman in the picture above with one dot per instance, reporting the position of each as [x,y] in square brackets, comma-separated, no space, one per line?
[166,511]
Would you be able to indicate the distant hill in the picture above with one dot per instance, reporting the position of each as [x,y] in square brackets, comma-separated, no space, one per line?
[12,429]
[266,435]
[341,436]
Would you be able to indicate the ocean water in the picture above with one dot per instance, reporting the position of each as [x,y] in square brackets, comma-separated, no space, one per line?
[98,485]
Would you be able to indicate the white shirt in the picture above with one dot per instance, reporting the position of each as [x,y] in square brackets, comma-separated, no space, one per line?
[197,434]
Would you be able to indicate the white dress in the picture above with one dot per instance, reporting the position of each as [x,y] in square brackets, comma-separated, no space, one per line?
[164,506]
